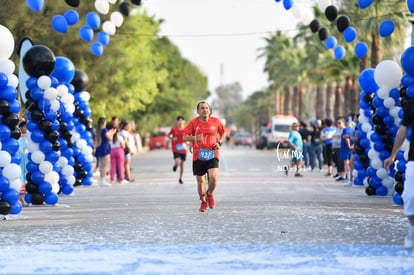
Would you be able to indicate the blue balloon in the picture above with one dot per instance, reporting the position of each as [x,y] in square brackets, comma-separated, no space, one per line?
[36,93]
[37,177]
[358,181]
[16,208]
[4,184]
[330,42]
[46,146]
[72,17]
[407,60]
[11,145]
[67,189]
[11,196]
[367,81]
[375,137]
[397,197]
[410,91]
[361,49]
[350,34]
[59,23]
[339,52]
[104,38]
[4,132]
[3,80]
[32,167]
[8,93]
[86,33]
[377,102]
[386,28]
[35,5]
[97,49]
[395,93]
[381,190]
[15,106]
[287,4]
[37,135]
[401,165]
[407,80]
[363,4]
[51,198]
[388,120]
[371,172]
[64,69]
[375,182]
[93,20]
[364,142]
[410,5]
[45,188]
[383,155]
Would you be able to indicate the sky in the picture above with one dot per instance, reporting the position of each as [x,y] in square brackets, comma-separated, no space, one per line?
[223,37]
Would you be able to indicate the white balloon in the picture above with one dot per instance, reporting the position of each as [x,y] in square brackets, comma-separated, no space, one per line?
[323,4]
[12,171]
[112,1]
[62,90]
[7,66]
[382,173]
[38,157]
[16,184]
[5,158]
[55,187]
[13,80]
[44,82]
[71,179]
[394,112]
[366,127]
[117,18]
[389,102]
[6,43]
[50,93]
[376,163]
[32,146]
[68,98]
[405,146]
[52,177]
[68,170]
[406,155]
[85,96]
[45,167]
[373,154]
[81,143]
[54,105]
[388,74]
[70,108]
[62,161]
[383,93]
[109,27]
[102,6]
[388,182]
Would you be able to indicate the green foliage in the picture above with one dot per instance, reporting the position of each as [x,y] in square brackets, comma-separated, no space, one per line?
[139,77]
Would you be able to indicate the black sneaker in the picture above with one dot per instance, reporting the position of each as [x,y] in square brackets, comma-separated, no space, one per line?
[180,181]
[336,176]
[340,179]
[174,168]
[298,175]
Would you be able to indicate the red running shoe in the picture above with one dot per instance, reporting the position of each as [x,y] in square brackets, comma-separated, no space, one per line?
[210,200]
[203,206]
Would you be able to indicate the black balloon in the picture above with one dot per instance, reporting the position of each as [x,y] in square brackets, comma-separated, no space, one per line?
[37,198]
[52,136]
[73,3]
[4,107]
[342,23]
[125,8]
[39,60]
[315,25]
[11,120]
[31,188]
[36,115]
[399,176]
[331,12]
[403,91]
[5,207]
[381,128]
[370,191]
[376,119]
[136,2]
[399,187]
[56,146]
[80,81]
[323,33]
[368,97]
[30,104]
[16,133]
[45,125]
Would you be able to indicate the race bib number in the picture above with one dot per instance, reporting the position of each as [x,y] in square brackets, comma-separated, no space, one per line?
[180,147]
[205,154]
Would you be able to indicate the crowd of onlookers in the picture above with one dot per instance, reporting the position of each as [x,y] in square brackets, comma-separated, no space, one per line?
[115,143]
[330,143]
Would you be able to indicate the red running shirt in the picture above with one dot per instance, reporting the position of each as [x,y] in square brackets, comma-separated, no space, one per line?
[211,131]
[178,144]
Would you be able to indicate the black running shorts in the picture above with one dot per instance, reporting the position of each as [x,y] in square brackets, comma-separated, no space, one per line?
[200,167]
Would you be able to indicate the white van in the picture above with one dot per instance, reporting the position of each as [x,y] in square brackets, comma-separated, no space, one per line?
[280,127]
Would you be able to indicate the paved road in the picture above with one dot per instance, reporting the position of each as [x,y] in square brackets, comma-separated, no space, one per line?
[265,223]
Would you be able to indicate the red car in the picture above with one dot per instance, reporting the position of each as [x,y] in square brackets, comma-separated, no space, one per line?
[159,140]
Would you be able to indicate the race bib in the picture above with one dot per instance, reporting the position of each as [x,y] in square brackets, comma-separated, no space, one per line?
[205,154]
[181,147]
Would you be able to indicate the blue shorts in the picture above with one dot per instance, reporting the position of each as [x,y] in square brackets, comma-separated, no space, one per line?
[345,155]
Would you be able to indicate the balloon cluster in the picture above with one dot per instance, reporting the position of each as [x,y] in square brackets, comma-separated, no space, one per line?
[61,23]
[10,158]
[380,115]
[82,133]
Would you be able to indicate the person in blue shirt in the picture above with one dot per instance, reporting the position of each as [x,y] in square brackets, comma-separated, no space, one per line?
[347,146]
[296,148]
[327,137]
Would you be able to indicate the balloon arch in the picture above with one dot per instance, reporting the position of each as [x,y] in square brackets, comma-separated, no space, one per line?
[59,142]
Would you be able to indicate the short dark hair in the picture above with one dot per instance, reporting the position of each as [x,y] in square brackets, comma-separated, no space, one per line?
[180,117]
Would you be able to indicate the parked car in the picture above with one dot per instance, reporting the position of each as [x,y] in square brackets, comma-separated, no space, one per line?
[243,138]
[159,140]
